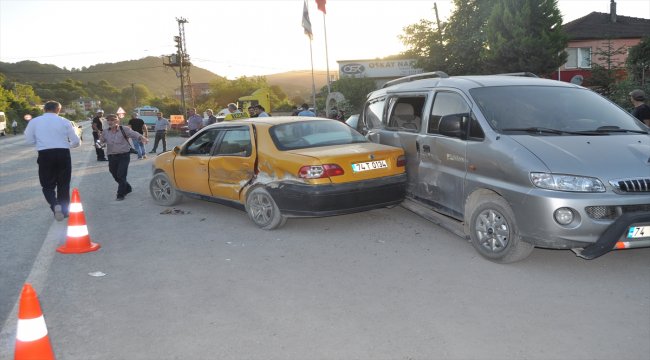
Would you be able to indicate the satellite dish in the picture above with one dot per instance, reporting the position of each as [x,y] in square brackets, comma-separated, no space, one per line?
[577,79]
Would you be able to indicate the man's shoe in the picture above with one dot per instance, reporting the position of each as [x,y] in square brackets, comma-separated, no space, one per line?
[119,198]
[58,213]
[144,156]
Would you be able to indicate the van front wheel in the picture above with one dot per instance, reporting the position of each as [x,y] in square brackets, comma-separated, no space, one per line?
[494,233]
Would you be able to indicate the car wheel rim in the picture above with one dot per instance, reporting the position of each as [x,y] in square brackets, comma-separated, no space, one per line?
[492,231]
[261,209]
[161,189]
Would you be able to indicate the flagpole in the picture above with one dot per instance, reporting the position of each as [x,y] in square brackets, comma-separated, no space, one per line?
[327,61]
[313,84]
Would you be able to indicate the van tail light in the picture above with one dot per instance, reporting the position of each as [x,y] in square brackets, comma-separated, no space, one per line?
[401,161]
[320,171]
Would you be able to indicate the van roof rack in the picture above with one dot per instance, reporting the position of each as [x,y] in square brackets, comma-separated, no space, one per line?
[429,75]
[524,74]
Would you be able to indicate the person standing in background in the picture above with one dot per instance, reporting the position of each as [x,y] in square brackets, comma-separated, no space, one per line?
[211,118]
[136,124]
[118,150]
[161,127]
[306,111]
[261,111]
[641,110]
[98,126]
[194,121]
[53,136]
[14,127]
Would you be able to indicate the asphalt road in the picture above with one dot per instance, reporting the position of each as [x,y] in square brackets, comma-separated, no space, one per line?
[205,283]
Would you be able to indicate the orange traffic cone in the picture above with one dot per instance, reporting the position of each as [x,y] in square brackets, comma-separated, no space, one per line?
[78,240]
[32,341]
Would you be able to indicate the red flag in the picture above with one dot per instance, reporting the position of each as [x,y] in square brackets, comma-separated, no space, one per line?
[321,5]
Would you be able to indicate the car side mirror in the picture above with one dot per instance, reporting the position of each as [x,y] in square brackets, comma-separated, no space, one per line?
[176,149]
[453,125]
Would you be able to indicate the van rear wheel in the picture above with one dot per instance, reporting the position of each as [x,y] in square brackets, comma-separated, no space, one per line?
[494,233]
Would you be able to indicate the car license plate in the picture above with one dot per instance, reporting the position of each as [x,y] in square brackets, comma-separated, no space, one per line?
[370,165]
[636,232]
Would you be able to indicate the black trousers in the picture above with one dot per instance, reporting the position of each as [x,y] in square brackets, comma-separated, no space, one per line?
[118,165]
[160,135]
[99,151]
[54,173]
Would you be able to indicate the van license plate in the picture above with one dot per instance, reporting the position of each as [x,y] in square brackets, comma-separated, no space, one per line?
[637,232]
[370,165]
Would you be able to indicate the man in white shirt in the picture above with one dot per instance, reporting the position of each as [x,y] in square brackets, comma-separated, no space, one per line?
[53,136]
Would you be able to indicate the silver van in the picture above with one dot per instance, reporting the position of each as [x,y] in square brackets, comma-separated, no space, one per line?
[516,162]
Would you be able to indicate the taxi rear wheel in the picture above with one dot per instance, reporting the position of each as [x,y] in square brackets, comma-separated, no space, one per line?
[261,208]
[162,191]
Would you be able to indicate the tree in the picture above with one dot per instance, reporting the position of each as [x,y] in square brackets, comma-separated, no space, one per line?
[426,45]
[638,61]
[607,72]
[355,91]
[465,37]
[525,35]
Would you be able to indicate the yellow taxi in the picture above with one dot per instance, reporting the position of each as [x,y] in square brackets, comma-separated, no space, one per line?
[280,167]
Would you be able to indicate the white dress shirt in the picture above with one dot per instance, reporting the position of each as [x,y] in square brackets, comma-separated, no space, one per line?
[50,131]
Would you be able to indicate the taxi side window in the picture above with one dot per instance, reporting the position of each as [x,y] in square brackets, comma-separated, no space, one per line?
[235,142]
[202,145]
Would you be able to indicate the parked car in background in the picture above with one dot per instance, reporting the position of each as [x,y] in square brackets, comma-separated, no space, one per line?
[280,167]
[514,162]
[3,124]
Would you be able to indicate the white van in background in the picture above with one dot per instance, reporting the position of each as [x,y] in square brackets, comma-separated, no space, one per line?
[3,124]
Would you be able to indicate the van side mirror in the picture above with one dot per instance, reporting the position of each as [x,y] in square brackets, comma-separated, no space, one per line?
[453,125]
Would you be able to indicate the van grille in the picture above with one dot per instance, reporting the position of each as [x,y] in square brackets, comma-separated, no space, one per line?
[613,212]
[631,185]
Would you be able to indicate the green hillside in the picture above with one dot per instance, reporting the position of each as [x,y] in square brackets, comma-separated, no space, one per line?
[149,71]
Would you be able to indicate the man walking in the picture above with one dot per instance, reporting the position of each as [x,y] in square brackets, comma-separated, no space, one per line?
[194,121]
[137,125]
[162,125]
[53,136]
[119,157]
[98,125]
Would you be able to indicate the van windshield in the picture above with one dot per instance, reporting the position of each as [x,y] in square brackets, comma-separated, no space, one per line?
[555,110]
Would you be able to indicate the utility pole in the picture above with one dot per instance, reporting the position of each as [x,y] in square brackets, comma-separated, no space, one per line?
[181,60]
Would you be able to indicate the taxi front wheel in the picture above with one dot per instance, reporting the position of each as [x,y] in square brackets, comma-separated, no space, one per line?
[261,208]
[162,191]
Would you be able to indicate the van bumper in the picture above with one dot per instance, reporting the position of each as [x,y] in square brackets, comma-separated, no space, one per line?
[617,236]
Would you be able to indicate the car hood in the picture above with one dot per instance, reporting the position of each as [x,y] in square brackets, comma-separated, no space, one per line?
[605,156]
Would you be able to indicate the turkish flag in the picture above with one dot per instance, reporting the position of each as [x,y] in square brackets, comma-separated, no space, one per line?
[321,5]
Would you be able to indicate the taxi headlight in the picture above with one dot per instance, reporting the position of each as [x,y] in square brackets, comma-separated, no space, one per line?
[562,182]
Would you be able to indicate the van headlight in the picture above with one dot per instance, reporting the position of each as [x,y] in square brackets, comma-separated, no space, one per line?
[561,182]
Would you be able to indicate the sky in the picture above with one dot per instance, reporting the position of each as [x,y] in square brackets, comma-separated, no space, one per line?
[231,38]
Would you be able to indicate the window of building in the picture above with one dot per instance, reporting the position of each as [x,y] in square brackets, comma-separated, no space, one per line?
[578,58]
